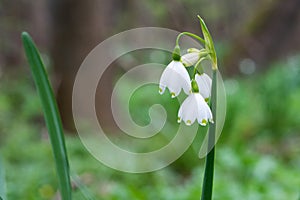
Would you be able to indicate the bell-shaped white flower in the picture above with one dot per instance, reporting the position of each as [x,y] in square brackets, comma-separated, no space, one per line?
[190,59]
[204,84]
[194,107]
[175,77]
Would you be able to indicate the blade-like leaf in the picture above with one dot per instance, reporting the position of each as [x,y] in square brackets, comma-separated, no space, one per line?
[208,40]
[52,117]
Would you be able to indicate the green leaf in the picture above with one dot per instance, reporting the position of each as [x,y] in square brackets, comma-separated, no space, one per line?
[52,117]
[2,181]
[209,44]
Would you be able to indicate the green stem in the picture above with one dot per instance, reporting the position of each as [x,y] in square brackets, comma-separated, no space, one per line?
[209,164]
[202,41]
[201,71]
[195,69]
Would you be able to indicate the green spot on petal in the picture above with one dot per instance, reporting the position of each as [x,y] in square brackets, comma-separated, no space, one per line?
[188,122]
[172,94]
[178,119]
[204,121]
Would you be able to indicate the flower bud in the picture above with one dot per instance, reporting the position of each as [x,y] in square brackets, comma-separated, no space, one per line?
[176,53]
[190,59]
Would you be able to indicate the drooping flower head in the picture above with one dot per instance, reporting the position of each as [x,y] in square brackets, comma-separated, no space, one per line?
[194,107]
[175,77]
[191,58]
[204,83]
[194,57]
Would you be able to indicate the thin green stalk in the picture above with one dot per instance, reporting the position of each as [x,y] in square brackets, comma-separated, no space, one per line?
[202,41]
[209,163]
[52,117]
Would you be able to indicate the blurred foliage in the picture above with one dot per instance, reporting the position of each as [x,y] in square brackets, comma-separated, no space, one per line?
[257,154]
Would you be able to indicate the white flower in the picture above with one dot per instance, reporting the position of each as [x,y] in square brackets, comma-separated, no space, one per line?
[190,59]
[194,107]
[204,85]
[175,77]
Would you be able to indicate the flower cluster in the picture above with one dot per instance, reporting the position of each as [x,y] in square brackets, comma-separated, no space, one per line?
[198,87]
[176,78]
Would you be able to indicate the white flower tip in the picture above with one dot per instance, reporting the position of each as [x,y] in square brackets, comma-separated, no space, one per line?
[211,121]
[203,122]
[160,90]
[173,95]
[188,122]
[178,120]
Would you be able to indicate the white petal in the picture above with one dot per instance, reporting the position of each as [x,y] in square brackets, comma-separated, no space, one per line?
[175,85]
[184,109]
[207,115]
[179,118]
[161,89]
[204,83]
[190,114]
[184,106]
[190,59]
[200,104]
[175,77]
[165,78]
[204,113]
[188,110]
[183,77]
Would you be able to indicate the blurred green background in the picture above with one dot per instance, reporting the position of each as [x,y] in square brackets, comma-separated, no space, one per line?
[258,45]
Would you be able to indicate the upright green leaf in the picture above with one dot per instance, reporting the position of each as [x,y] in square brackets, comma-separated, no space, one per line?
[209,44]
[52,117]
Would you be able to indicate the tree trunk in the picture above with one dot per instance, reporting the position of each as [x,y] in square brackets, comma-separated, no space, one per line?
[30,16]
[78,26]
